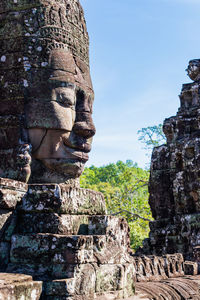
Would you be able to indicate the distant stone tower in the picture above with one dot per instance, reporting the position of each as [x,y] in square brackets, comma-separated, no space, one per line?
[175,178]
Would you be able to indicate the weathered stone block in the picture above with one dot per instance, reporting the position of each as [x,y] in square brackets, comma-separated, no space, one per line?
[15,286]
[85,276]
[150,268]
[11,192]
[109,250]
[9,198]
[63,199]
[101,225]
[8,221]
[51,249]
[83,283]
[64,287]
[48,222]
[129,280]
[109,278]
[62,271]
[140,270]
[53,223]
[37,271]
[174,265]
[190,268]
[155,268]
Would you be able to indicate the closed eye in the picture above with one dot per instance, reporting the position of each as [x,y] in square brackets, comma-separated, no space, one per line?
[63,99]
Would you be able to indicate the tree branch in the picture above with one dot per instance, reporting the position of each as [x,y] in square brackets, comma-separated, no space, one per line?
[132,214]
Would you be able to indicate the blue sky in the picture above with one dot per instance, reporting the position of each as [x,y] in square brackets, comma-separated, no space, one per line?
[139,50]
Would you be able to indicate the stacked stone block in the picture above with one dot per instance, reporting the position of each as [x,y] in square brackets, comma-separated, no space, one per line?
[174,182]
[11,192]
[18,287]
[64,238]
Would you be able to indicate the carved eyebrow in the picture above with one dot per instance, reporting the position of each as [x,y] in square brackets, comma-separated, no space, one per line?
[61,83]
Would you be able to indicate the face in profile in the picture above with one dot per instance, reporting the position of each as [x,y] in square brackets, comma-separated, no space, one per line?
[58,119]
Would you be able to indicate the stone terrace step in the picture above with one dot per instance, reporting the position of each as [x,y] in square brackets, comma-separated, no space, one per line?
[61,198]
[60,249]
[31,222]
[17,287]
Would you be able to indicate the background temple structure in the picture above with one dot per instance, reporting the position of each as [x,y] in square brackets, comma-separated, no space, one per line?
[174,184]
[56,240]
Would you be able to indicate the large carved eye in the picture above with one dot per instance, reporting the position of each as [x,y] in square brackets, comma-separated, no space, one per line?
[65,97]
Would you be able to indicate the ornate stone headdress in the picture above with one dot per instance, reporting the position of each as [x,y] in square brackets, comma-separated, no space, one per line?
[30,30]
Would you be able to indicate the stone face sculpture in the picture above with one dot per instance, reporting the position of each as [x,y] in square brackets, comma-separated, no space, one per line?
[52,229]
[174,183]
[69,243]
[47,94]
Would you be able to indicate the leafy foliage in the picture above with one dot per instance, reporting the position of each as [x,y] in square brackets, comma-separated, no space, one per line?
[125,188]
[152,136]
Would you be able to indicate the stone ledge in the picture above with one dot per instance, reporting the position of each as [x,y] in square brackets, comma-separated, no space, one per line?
[54,249]
[18,286]
[11,192]
[61,198]
[54,223]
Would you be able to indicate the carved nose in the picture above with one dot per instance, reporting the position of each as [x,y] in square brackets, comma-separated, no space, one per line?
[84,125]
[84,129]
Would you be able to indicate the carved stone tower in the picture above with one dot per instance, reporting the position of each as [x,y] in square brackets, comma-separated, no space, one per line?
[52,229]
[175,178]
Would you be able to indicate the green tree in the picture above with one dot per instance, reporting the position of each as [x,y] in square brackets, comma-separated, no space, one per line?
[125,188]
[152,136]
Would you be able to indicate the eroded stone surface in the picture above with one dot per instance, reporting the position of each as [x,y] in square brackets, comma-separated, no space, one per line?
[17,287]
[60,233]
[155,268]
[174,289]
[174,180]
[63,199]
[11,192]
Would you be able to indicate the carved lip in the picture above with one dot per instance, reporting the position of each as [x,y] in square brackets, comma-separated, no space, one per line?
[77,154]
[79,146]
[70,154]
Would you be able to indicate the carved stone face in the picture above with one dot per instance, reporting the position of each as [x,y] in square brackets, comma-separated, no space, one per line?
[58,119]
[193,69]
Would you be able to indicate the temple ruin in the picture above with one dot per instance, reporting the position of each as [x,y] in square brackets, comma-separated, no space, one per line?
[56,239]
